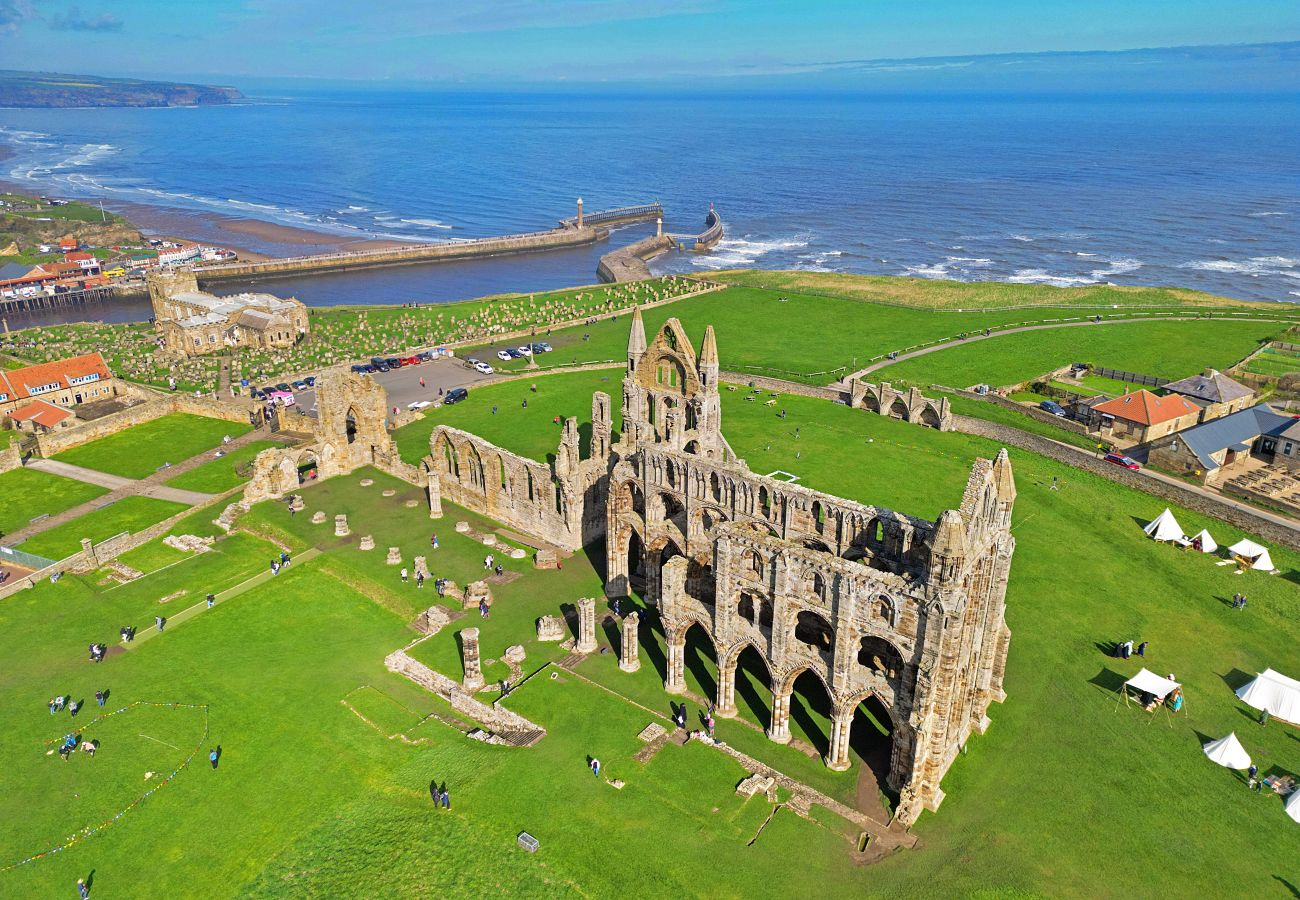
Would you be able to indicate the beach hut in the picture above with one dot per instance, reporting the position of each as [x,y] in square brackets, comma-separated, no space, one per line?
[1204,542]
[1251,554]
[1275,694]
[1164,527]
[1228,752]
[1293,806]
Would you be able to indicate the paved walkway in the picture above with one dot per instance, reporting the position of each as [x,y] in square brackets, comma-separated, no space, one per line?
[980,336]
[120,487]
[221,597]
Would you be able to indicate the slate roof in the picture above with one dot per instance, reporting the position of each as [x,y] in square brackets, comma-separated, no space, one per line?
[1212,387]
[1236,430]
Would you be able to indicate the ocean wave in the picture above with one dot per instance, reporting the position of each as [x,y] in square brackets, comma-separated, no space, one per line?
[1024,238]
[973,262]
[425,223]
[1121,266]
[1267,213]
[938,270]
[1254,266]
[741,252]
[1040,276]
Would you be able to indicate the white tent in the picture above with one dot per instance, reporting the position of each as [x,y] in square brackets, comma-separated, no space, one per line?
[1275,693]
[1152,683]
[1207,543]
[1253,553]
[1164,527]
[1228,752]
[1293,805]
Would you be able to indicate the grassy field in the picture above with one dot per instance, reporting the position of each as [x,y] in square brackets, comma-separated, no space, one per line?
[141,450]
[978,409]
[1168,349]
[530,431]
[926,293]
[220,475]
[309,800]
[127,514]
[28,493]
[1275,362]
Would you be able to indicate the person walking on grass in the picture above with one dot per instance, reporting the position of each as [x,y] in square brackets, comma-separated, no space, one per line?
[100,696]
[212,599]
[160,621]
[595,767]
[419,579]
[404,575]
[83,891]
[214,756]
[446,797]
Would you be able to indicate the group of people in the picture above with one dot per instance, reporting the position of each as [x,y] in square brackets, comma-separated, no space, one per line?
[97,652]
[278,564]
[1238,601]
[70,743]
[127,632]
[1174,698]
[440,795]
[1125,649]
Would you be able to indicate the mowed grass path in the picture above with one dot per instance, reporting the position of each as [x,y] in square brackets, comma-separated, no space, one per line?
[26,493]
[220,474]
[1169,349]
[127,514]
[139,451]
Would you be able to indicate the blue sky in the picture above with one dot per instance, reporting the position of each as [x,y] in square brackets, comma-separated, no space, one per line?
[583,41]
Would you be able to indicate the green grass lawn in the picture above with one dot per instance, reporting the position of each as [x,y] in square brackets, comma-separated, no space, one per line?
[127,514]
[222,474]
[29,493]
[1168,349]
[1070,793]
[1275,362]
[140,450]
[529,431]
[978,409]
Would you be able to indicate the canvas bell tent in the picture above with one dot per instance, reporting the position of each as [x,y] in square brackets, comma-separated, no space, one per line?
[1164,527]
[1228,752]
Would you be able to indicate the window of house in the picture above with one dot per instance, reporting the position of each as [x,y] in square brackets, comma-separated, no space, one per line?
[1286,448]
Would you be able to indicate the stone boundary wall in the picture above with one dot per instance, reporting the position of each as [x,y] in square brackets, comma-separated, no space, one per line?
[48,445]
[11,457]
[110,548]
[1030,411]
[495,718]
[1168,491]
[786,387]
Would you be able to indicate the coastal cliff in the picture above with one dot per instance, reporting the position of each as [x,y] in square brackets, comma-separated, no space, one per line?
[49,91]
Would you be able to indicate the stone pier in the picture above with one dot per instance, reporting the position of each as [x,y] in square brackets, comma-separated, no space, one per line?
[473,680]
[629,653]
[586,626]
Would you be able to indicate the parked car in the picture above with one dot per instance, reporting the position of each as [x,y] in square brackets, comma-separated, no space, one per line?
[1127,462]
[283,387]
[427,356]
[361,370]
[394,362]
[1052,407]
[513,353]
[541,347]
[412,361]
[503,356]
[257,393]
[455,395]
[300,385]
[377,361]
[525,350]
[419,404]
[311,381]
[483,368]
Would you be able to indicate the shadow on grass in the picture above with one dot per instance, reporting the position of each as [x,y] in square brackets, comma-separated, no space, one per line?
[652,644]
[1288,885]
[702,660]
[570,613]
[1249,714]
[1108,680]
[610,626]
[1236,679]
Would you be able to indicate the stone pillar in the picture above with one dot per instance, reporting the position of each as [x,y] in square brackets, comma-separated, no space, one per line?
[779,730]
[628,652]
[88,550]
[579,212]
[838,757]
[675,682]
[586,626]
[435,495]
[725,707]
[469,657]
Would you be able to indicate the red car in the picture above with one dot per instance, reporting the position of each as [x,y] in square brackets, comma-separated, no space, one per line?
[412,361]
[1125,461]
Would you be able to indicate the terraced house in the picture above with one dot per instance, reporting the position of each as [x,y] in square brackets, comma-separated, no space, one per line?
[39,397]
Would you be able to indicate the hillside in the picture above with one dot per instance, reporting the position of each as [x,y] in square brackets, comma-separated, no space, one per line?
[50,90]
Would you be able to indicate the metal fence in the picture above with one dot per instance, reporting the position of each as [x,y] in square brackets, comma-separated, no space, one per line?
[1134,377]
[26,560]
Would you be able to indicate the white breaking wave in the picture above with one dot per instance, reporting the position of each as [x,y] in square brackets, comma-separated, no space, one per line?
[1118,267]
[974,262]
[741,252]
[427,223]
[938,270]
[1267,213]
[1255,266]
[1039,276]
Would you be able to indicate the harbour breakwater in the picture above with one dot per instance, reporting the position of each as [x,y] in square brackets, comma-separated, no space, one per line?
[573,232]
[631,263]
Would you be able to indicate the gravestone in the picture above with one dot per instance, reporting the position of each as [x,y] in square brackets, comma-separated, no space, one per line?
[318,517]
[394,556]
[367,543]
[550,628]
[421,567]
[341,526]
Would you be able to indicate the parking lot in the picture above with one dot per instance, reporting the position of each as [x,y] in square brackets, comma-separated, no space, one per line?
[403,385]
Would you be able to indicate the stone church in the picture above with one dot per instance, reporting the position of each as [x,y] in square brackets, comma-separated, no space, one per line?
[195,323]
[880,606]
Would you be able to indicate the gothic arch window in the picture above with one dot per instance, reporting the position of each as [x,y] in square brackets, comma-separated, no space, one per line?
[884,610]
[819,585]
[715,484]
[765,502]
[880,656]
[811,629]
[755,562]
[819,516]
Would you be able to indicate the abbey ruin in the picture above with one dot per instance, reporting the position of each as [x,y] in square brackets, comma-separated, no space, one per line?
[879,605]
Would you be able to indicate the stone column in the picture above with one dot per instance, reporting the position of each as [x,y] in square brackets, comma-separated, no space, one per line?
[779,730]
[586,626]
[469,656]
[841,721]
[435,495]
[628,652]
[725,707]
[675,682]
[88,552]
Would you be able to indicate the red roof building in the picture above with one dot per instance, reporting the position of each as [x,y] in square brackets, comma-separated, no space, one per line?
[40,416]
[65,382]
[1144,416]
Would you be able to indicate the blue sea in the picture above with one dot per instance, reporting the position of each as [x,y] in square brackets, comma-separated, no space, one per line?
[1201,192]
